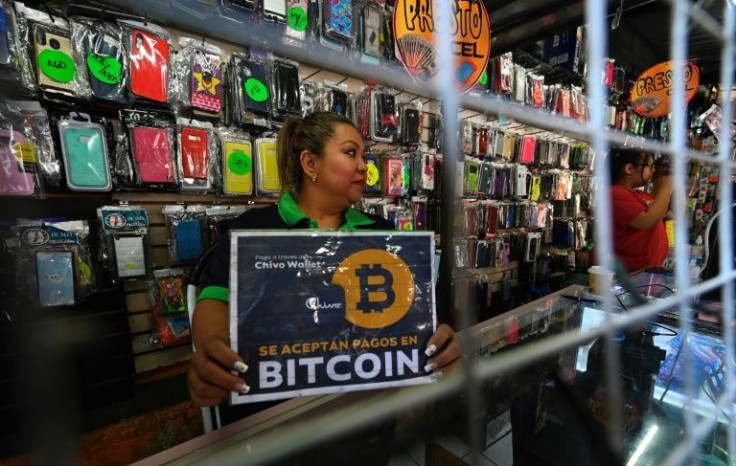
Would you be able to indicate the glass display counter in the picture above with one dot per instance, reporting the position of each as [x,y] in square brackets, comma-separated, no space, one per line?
[552,387]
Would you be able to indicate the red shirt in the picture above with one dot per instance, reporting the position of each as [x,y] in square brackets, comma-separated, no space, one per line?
[637,249]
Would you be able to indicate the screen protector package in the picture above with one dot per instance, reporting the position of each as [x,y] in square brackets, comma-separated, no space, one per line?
[186,227]
[197,82]
[236,162]
[285,89]
[84,149]
[99,46]
[250,91]
[56,262]
[148,52]
[360,308]
[124,243]
[196,150]
[151,138]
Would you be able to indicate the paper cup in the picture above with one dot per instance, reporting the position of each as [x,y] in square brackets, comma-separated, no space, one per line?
[599,280]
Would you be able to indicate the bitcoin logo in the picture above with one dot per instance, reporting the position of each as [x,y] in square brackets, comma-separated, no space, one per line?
[378,285]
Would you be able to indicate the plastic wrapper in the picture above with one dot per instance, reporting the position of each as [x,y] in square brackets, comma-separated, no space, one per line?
[374,174]
[535,90]
[170,313]
[15,61]
[250,91]
[197,77]
[519,84]
[148,47]
[186,227]
[219,215]
[370,30]
[151,138]
[84,149]
[56,262]
[422,173]
[124,243]
[236,162]
[20,148]
[410,122]
[38,130]
[285,98]
[268,181]
[99,47]
[197,149]
[297,21]
[396,176]
[384,125]
[336,24]
[337,99]
[309,96]
[363,112]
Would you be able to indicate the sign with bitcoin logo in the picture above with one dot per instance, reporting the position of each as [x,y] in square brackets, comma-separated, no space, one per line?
[328,312]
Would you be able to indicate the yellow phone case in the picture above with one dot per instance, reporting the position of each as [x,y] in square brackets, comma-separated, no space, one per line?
[268,167]
[237,167]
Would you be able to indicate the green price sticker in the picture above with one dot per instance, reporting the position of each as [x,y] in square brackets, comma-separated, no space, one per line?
[105,69]
[484,78]
[239,163]
[297,18]
[256,90]
[57,65]
[372,174]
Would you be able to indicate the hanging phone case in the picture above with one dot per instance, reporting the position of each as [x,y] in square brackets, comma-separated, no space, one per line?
[237,167]
[153,155]
[104,67]
[171,294]
[472,170]
[372,18]
[85,156]
[149,66]
[297,18]
[206,90]
[5,36]
[55,272]
[393,176]
[14,180]
[339,99]
[410,127]
[274,10]
[55,68]
[287,99]
[253,87]
[373,174]
[188,240]
[267,166]
[194,146]
[338,19]
[528,148]
[383,125]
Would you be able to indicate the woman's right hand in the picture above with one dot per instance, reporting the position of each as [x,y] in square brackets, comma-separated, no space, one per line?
[210,378]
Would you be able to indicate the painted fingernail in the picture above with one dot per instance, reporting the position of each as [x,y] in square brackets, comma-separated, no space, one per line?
[240,366]
[242,387]
[436,375]
[431,349]
[430,367]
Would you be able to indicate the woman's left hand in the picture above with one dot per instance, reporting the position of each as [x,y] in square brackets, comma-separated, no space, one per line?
[444,350]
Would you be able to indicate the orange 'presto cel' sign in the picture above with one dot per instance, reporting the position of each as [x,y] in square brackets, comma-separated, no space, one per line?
[653,90]
[417,21]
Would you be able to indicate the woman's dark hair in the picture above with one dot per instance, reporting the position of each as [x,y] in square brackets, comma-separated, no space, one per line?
[618,158]
[300,134]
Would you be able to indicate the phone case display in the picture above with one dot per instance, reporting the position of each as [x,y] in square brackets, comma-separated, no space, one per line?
[250,93]
[84,148]
[297,21]
[197,147]
[268,181]
[148,48]
[384,127]
[151,138]
[99,45]
[285,90]
[186,226]
[236,152]
[198,72]
[124,244]
[219,215]
[55,262]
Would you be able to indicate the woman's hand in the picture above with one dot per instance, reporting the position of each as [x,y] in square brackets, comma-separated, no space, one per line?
[443,349]
[210,378]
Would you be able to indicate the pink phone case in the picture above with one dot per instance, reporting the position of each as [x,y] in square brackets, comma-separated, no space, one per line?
[152,152]
[14,181]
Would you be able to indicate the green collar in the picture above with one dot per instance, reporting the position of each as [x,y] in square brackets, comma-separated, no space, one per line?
[291,214]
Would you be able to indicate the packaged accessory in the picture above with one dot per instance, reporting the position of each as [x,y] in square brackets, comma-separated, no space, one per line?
[186,226]
[297,21]
[285,90]
[151,136]
[373,174]
[16,177]
[393,176]
[274,10]
[84,148]
[56,71]
[371,25]
[337,20]
[99,44]
[237,163]
[197,147]
[124,250]
[410,122]
[197,77]
[384,127]
[250,91]
[148,46]
[268,182]
[170,309]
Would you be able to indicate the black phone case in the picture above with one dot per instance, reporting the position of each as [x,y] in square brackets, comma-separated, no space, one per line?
[250,69]
[411,127]
[111,92]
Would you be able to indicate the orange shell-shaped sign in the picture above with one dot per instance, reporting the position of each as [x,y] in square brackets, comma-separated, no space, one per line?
[652,92]
[416,23]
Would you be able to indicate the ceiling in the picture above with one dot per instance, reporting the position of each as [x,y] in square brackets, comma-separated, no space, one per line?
[517,23]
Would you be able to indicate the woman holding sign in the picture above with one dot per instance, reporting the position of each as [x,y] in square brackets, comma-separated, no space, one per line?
[322,173]
[640,238]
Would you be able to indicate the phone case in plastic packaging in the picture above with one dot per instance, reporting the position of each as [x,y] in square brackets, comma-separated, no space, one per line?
[196,149]
[40,143]
[236,152]
[18,156]
[334,41]
[535,91]
[393,176]
[371,25]
[338,100]
[268,182]
[285,90]
[57,262]
[373,174]
[197,78]
[15,60]
[57,73]
[149,55]
[384,127]
[169,290]
[410,121]
[363,120]
[273,11]
[84,149]
[150,136]
[250,91]
[99,46]
[297,21]
[186,227]
[125,249]
[519,88]
[423,172]
[218,216]
[309,96]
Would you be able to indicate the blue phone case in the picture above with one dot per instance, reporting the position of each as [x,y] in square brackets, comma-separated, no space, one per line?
[55,272]
[85,158]
[188,237]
